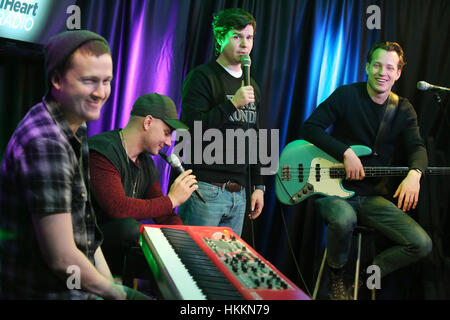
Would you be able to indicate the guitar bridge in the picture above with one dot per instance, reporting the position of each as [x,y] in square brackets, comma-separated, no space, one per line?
[302,193]
[286,173]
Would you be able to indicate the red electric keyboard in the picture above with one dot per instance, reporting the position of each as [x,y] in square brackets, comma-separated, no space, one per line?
[211,263]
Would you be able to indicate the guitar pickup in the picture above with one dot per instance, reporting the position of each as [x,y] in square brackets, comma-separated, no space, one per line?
[318,172]
[300,172]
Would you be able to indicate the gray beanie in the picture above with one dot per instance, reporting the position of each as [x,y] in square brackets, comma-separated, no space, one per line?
[62,45]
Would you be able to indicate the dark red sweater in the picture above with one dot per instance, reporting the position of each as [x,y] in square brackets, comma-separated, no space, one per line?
[108,192]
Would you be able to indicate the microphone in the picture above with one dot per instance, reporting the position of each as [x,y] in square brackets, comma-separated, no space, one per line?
[424,86]
[245,65]
[175,163]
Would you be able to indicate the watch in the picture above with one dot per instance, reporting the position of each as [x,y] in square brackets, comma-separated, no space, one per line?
[418,170]
[260,187]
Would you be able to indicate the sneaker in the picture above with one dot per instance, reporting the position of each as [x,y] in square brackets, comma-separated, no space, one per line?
[338,290]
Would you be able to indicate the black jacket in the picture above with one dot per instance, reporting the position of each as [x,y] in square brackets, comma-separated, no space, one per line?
[355,119]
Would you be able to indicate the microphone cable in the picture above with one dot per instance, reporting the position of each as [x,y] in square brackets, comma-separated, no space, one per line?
[291,250]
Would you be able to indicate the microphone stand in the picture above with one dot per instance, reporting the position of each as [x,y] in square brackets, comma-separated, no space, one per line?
[440,118]
[246,61]
[249,172]
[249,167]
[437,96]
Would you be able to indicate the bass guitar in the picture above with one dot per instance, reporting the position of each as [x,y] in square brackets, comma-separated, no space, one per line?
[305,170]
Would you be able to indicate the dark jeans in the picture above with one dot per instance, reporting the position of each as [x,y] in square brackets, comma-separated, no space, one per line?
[119,236]
[341,215]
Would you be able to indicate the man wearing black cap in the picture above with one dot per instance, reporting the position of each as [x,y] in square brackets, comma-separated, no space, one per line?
[125,180]
[53,246]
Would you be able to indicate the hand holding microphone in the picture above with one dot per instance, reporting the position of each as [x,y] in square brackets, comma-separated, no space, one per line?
[243,96]
[184,184]
[246,94]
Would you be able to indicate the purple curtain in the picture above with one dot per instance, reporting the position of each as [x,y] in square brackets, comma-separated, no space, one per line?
[148,46]
[303,50]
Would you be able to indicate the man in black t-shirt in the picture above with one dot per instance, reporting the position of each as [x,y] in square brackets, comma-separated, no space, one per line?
[356,111]
[214,97]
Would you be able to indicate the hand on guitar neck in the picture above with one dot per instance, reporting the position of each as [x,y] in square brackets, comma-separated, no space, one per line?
[353,166]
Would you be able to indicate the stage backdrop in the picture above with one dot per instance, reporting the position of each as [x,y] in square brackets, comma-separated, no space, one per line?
[302,51]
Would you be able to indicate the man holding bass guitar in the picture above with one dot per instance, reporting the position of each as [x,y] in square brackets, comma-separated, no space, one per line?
[356,112]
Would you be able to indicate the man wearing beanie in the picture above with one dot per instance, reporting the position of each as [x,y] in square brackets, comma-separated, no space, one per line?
[53,246]
[125,182]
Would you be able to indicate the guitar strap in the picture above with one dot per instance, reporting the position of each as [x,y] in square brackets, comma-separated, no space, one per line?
[389,113]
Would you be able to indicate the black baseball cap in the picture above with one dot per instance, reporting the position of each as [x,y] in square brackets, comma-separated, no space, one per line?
[158,106]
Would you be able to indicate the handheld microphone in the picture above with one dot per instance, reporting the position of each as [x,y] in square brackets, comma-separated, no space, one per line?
[175,163]
[424,86]
[245,65]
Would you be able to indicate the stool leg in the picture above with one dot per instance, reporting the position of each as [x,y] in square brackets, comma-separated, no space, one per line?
[319,276]
[358,257]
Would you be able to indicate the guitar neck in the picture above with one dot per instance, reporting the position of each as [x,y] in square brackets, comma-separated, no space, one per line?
[339,172]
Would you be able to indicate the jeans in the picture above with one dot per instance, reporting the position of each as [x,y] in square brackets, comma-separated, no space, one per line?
[341,215]
[222,208]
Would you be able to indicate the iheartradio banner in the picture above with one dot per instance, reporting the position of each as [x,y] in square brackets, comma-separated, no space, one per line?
[33,20]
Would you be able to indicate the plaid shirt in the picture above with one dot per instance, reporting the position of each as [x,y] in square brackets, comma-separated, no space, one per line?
[44,170]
